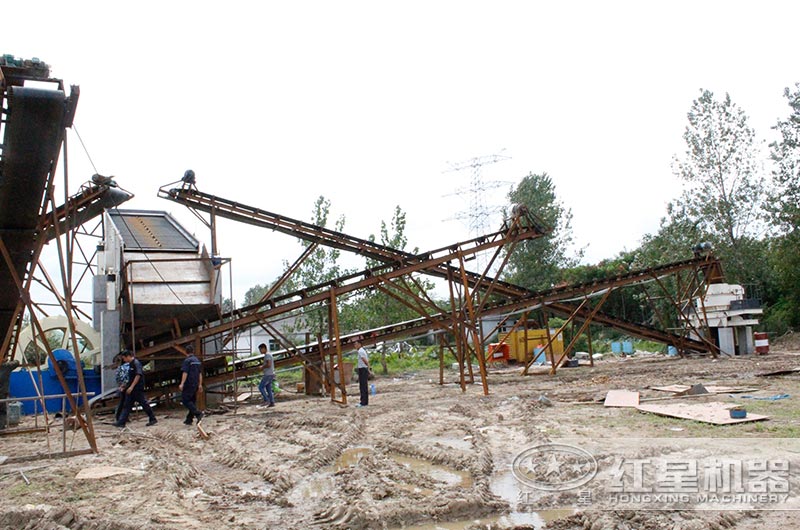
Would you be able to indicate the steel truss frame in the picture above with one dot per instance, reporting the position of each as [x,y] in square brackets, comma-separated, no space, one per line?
[63,225]
[472,295]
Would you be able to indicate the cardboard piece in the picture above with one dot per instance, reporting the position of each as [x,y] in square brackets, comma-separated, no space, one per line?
[715,412]
[621,398]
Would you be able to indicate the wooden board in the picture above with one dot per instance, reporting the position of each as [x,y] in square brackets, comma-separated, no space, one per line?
[715,412]
[671,388]
[244,396]
[621,398]
[201,431]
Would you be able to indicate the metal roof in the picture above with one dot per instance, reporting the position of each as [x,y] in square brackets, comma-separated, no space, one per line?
[151,230]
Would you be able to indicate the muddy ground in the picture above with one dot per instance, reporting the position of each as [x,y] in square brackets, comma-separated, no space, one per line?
[420,456]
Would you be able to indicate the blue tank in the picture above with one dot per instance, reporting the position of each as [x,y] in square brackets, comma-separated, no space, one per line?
[22,384]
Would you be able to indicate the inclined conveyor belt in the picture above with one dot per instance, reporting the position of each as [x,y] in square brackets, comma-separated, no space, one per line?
[32,137]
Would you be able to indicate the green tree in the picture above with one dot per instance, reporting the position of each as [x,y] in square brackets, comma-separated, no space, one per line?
[674,241]
[785,153]
[320,267]
[254,294]
[538,263]
[724,189]
[375,308]
[784,207]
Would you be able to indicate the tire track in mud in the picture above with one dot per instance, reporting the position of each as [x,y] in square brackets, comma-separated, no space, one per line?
[379,491]
[293,422]
[178,473]
[55,518]
[644,520]
[353,433]
[278,475]
[236,458]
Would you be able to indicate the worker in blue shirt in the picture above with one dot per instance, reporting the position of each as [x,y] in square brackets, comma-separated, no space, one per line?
[191,372]
[135,391]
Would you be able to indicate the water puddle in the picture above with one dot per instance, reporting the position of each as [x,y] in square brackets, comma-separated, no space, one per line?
[446,474]
[450,476]
[505,486]
[323,483]
[348,458]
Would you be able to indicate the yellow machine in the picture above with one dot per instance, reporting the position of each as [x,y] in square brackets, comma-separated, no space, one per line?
[522,352]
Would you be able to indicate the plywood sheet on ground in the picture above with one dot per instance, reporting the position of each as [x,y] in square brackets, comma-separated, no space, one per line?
[780,372]
[676,389]
[98,472]
[621,398]
[715,412]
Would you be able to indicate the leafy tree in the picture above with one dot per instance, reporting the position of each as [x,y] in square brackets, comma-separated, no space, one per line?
[254,294]
[724,189]
[785,199]
[538,263]
[376,308]
[785,213]
[321,266]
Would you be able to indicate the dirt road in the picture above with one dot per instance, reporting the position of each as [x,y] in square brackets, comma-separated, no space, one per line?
[420,456]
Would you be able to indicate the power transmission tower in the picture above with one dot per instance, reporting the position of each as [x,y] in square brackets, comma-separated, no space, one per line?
[480,215]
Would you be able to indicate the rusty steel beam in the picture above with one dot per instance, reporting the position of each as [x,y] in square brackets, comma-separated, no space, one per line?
[354,282]
[194,199]
[198,201]
[450,321]
[521,298]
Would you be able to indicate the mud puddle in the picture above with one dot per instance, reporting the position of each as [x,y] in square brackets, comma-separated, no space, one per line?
[348,458]
[448,475]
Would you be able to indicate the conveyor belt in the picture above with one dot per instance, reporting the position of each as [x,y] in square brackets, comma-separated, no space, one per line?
[32,138]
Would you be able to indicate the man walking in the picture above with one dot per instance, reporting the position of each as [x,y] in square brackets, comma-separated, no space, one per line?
[190,383]
[135,391]
[265,386]
[363,374]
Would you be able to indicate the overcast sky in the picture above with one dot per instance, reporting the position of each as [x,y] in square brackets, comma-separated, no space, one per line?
[370,103]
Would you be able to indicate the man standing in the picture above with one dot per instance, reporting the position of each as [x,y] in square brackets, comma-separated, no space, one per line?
[265,386]
[135,391]
[190,383]
[123,378]
[363,374]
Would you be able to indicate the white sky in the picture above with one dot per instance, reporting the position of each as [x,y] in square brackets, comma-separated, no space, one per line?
[368,103]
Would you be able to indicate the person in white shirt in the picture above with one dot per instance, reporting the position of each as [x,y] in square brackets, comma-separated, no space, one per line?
[265,386]
[363,374]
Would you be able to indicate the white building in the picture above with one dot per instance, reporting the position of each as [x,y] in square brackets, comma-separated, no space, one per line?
[730,315]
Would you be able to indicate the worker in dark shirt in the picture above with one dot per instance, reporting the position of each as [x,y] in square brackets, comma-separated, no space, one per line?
[190,382]
[135,391]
